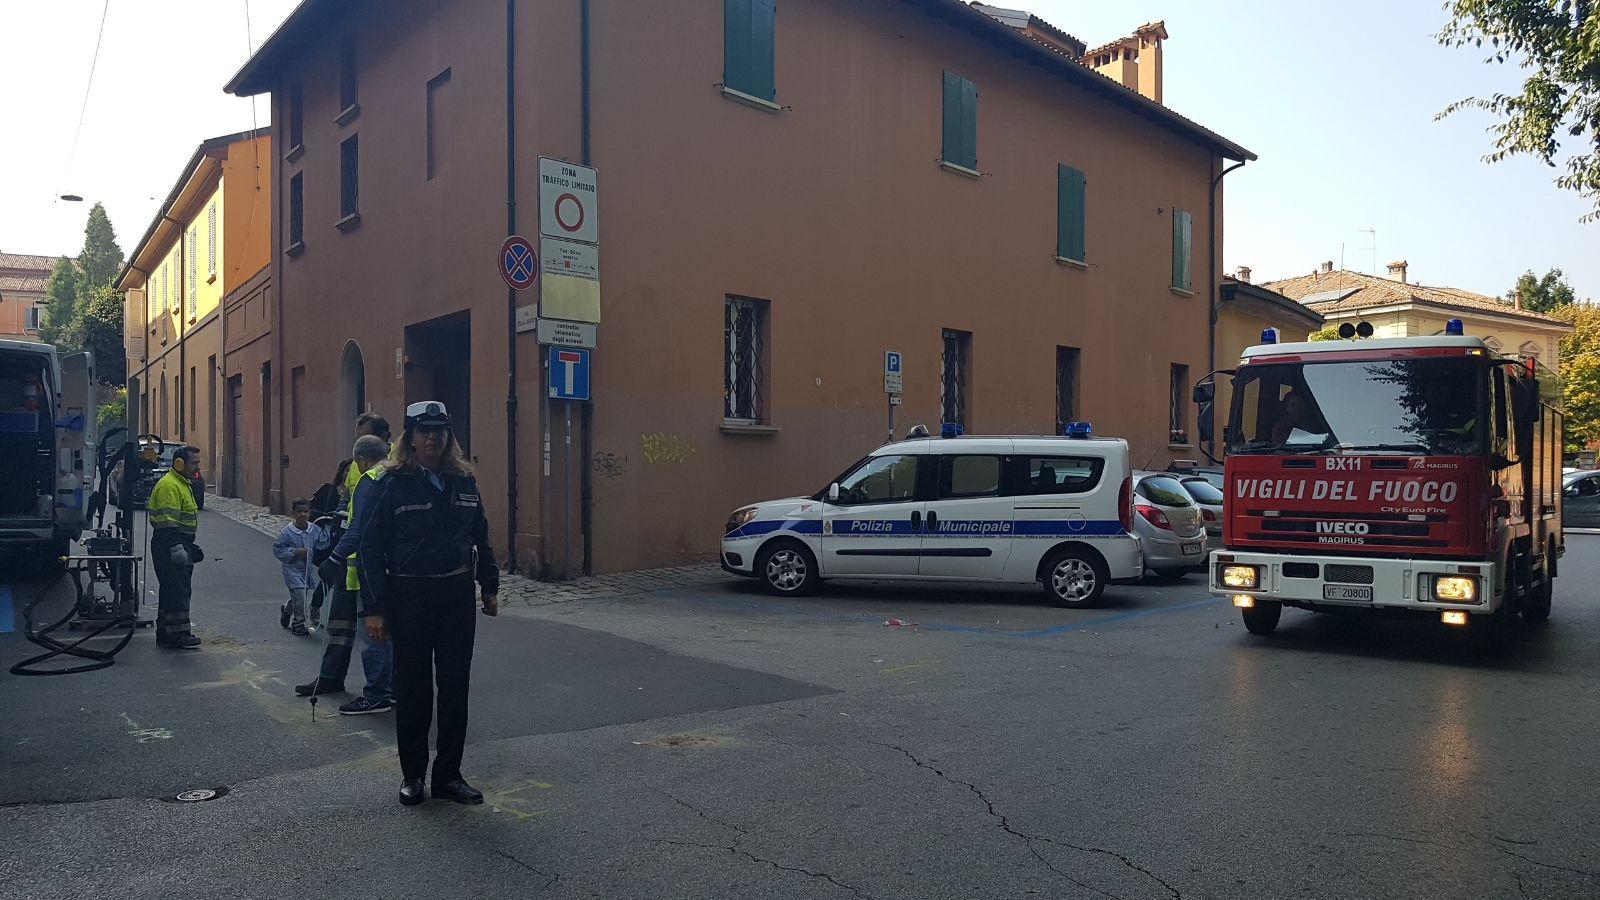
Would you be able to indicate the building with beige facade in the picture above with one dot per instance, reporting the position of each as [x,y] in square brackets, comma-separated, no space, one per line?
[1398,307]
[22,297]
[212,233]
[780,200]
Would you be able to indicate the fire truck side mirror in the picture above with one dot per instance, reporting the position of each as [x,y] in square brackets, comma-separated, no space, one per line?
[1205,392]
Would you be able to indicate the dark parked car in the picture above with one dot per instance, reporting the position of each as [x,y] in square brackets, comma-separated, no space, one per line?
[1580,502]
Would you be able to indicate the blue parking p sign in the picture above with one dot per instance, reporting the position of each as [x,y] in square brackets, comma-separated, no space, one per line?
[569,373]
[891,372]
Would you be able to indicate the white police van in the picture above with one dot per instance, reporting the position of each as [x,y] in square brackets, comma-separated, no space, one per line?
[1054,510]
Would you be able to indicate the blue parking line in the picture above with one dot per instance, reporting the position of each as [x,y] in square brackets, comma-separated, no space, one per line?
[8,615]
[1087,624]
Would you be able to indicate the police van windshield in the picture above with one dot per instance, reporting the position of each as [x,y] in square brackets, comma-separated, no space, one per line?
[1411,406]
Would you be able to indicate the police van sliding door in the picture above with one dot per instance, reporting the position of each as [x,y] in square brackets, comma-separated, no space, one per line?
[875,526]
[967,527]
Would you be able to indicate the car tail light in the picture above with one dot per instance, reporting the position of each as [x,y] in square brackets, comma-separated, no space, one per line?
[1154,516]
[1125,504]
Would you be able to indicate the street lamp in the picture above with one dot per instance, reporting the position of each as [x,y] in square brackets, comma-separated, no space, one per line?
[72,198]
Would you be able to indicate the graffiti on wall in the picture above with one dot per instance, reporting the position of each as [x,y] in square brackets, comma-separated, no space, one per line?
[663,447]
[609,465]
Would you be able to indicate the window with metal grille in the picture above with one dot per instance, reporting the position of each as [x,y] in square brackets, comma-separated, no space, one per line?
[348,83]
[194,291]
[744,326]
[955,363]
[297,116]
[349,183]
[1179,416]
[211,239]
[297,211]
[1066,387]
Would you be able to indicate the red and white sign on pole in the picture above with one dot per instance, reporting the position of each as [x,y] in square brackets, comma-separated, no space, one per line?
[519,265]
[567,207]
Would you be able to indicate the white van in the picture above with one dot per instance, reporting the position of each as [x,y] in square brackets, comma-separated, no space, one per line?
[1053,510]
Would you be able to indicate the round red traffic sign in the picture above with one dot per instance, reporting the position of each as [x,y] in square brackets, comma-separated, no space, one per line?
[568,205]
[519,265]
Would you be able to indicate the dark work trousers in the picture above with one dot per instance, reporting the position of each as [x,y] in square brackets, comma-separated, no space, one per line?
[434,622]
[341,634]
[172,602]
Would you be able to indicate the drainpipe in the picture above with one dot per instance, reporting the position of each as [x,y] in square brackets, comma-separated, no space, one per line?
[511,294]
[1213,289]
[586,420]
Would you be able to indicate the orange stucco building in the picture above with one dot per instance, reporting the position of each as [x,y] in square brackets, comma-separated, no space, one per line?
[212,234]
[780,200]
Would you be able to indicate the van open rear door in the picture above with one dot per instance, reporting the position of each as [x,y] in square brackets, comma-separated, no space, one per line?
[77,436]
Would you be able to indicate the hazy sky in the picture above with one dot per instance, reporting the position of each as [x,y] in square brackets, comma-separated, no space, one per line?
[1337,98]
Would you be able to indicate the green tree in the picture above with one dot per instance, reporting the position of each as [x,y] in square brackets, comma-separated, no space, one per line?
[98,329]
[114,410]
[61,291]
[1543,294]
[1557,42]
[1324,334]
[1580,372]
[101,258]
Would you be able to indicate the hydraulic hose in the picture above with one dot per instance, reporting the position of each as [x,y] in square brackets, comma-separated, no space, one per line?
[97,659]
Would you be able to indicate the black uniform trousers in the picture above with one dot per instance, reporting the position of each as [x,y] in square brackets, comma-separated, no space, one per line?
[434,623]
[175,582]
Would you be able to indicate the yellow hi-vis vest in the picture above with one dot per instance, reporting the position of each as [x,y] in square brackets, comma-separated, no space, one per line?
[172,505]
[351,582]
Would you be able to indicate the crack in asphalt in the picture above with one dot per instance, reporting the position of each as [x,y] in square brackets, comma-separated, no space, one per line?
[1511,853]
[738,850]
[552,876]
[1029,840]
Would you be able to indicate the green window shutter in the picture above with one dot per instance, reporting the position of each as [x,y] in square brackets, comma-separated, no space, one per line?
[1182,245]
[748,40]
[960,144]
[1070,209]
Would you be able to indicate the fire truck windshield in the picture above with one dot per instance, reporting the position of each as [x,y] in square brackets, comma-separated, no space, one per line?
[1412,406]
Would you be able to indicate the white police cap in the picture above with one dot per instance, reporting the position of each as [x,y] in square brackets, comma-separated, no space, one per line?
[427,413]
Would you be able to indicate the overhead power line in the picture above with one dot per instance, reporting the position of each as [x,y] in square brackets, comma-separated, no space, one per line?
[93,61]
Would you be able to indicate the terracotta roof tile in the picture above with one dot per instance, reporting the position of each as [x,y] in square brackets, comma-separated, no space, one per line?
[27,262]
[21,283]
[1372,291]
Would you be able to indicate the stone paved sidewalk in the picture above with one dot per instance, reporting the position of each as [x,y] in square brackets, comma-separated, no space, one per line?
[515,590]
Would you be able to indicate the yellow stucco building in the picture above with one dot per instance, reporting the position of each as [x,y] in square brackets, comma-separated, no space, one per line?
[1395,307]
[211,234]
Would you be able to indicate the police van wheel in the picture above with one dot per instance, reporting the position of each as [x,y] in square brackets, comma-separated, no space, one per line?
[787,568]
[1074,579]
[1262,618]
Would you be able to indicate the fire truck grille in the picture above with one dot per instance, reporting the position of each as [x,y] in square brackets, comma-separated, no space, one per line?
[1338,573]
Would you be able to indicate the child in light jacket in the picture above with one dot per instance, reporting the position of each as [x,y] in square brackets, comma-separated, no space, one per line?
[295,546]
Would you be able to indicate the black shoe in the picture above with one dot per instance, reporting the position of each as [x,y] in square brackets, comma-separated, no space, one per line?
[186,642]
[456,790]
[318,686]
[412,793]
[299,630]
[283,615]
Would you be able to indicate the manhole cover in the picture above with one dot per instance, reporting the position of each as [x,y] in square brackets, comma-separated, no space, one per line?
[198,796]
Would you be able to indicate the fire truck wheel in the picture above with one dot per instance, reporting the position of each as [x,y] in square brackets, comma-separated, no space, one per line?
[1263,617]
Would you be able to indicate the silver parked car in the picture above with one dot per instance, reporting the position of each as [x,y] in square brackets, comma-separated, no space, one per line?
[1167,522]
[1206,496]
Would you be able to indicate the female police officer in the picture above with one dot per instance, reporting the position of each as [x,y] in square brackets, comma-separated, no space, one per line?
[419,538]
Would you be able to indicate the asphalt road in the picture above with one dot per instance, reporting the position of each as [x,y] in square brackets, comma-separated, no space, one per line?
[719,743]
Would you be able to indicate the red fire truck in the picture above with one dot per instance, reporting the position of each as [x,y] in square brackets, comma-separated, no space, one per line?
[1408,476]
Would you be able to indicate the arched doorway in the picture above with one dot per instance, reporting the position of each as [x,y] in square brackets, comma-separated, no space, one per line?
[352,394]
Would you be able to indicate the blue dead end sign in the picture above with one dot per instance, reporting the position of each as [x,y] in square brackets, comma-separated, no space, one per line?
[519,266]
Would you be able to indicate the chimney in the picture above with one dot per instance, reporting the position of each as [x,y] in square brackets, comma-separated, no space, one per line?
[1397,271]
[1134,61]
[1150,36]
[1327,266]
[1244,274]
[1516,298]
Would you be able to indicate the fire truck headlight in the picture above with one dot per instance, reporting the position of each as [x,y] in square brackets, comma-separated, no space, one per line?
[1455,589]
[1246,577]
